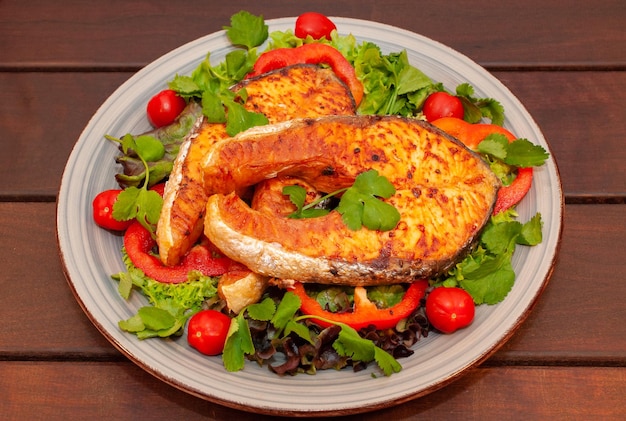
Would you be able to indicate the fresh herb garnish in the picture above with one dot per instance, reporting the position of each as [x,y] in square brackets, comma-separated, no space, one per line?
[283,317]
[212,84]
[139,202]
[519,153]
[487,274]
[477,108]
[171,304]
[247,30]
[360,204]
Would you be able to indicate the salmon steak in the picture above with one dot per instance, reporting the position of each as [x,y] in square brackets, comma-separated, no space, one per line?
[292,92]
[445,194]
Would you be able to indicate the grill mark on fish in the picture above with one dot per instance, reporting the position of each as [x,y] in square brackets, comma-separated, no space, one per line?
[291,92]
[435,230]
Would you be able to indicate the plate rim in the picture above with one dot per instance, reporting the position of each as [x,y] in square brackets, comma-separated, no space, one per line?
[335,409]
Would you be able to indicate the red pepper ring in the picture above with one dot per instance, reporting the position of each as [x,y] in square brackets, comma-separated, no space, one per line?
[513,193]
[314,53]
[138,243]
[365,312]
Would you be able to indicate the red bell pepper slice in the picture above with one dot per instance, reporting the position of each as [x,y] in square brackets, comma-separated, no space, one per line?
[471,135]
[313,53]
[365,312]
[139,243]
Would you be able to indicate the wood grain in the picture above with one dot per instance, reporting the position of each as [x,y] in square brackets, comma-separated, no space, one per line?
[131,34]
[564,60]
[34,390]
[563,326]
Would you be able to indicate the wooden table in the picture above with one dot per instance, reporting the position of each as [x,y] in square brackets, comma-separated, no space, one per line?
[566,61]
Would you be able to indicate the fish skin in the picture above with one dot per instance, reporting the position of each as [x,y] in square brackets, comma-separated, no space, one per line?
[444,192]
[291,92]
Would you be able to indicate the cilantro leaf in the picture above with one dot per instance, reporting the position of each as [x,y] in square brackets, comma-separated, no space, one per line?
[491,281]
[240,119]
[495,145]
[360,204]
[386,362]
[350,344]
[523,153]
[138,203]
[519,153]
[285,311]
[530,234]
[247,30]
[238,344]
[476,108]
[263,311]
[299,329]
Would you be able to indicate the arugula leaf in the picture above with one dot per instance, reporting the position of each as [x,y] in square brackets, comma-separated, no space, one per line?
[247,29]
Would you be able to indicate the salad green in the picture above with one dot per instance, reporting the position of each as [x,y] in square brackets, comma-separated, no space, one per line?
[392,86]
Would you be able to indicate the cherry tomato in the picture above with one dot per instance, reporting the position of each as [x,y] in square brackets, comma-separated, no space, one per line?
[207,331]
[442,104]
[449,309]
[103,211]
[164,107]
[314,24]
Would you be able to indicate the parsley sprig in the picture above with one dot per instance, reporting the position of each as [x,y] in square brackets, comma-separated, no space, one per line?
[139,202]
[212,84]
[359,206]
[286,321]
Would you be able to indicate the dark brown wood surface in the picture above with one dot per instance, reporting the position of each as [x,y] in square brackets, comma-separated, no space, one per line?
[565,61]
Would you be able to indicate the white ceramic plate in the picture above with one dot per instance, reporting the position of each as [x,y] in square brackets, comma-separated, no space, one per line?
[90,255]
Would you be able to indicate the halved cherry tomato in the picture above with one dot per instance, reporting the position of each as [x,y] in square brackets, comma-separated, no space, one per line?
[449,309]
[365,312]
[315,24]
[442,104]
[164,107]
[103,211]
[203,257]
[207,331]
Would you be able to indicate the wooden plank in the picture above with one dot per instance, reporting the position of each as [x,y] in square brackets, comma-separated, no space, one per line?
[576,319]
[41,118]
[33,390]
[494,34]
[59,106]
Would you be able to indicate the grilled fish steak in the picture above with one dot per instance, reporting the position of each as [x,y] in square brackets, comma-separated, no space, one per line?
[444,192]
[292,92]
